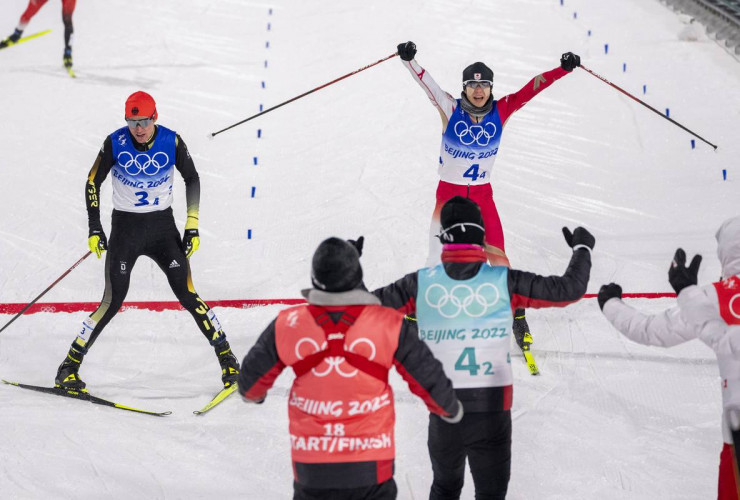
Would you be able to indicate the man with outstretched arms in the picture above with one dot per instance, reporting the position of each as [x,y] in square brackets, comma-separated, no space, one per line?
[710,313]
[464,310]
[341,347]
[472,126]
[142,158]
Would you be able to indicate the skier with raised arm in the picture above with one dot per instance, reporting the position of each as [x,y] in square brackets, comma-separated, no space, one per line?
[464,308]
[472,127]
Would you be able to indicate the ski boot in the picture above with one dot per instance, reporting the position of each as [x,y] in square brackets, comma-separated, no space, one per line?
[229,363]
[67,377]
[67,58]
[524,340]
[12,39]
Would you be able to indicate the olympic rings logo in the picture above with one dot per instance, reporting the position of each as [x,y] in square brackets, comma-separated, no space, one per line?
[142,162]
[334,362]
[731,306]
[461,298]
[479,134]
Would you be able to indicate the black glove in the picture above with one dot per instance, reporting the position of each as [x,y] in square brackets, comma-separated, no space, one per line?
[569,61]
[681,276]
[579,237]
[407,50]
[607,292]
[190,241]
[358,244]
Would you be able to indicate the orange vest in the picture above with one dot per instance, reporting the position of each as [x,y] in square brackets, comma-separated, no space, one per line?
[339,410]
[728,294]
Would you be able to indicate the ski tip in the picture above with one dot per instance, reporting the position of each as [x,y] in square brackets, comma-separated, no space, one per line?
[9,383]
[210,135]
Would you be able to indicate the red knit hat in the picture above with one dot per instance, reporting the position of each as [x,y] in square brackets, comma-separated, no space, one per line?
[141,104]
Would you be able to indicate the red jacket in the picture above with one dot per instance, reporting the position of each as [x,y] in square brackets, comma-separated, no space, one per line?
[341,405]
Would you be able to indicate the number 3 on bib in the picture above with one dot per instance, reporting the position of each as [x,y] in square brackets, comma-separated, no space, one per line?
[472,173]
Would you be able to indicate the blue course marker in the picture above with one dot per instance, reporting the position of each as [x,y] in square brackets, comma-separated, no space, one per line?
[260,107]
[254,189]
[263,84]
[644,89]
[667,112]
[589,33]
[267,44]
[624,67]
[259,133]
[606,48]
[255,160]
[249,234]
[561,2]
[693,143]
[268,26]
[265,63]
[575,15]
[724,174]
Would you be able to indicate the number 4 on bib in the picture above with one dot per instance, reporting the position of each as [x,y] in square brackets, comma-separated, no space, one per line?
[466,361]
[472,173]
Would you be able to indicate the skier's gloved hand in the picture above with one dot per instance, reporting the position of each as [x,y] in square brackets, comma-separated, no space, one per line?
[190,241]
[454,419]
[569,61]
[97,242]
[579,238]
[606,292]
[407,50]
[680,276]
[358,244]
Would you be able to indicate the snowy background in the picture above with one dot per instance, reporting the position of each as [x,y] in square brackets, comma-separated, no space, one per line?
[607,419]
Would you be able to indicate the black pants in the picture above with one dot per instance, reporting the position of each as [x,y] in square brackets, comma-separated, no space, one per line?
[154,235]
[485,439]
[383,491]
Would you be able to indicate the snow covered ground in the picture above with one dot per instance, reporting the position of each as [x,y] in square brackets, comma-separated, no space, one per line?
[607,419]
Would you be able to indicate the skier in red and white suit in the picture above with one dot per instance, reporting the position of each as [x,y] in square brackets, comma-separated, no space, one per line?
[472,127]
[68,8]
[710,313]
[341,347]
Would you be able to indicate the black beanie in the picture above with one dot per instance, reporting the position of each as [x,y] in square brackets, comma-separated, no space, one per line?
[462,222]
[477,71]
[336,266]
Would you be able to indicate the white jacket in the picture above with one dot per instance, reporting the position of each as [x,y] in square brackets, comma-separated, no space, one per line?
[710,313]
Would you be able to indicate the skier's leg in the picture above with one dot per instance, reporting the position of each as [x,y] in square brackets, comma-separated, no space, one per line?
[447,454]
[68,7]
[169,254]
[488,446]
[119,261]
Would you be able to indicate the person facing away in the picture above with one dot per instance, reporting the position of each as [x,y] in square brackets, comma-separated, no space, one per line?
[341,346]
[709,313]
[68,8]
[472,127]
[142,157]
[464,309]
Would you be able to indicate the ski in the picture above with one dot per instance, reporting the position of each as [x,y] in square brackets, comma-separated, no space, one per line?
[71,72]
[24,39]
[530,363]
[85,396]
[217,399]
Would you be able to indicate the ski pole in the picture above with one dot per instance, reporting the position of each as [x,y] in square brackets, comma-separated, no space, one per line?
[214,134]
[647,106]
[44,292]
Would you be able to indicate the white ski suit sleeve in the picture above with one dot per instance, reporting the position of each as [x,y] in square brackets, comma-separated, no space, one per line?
[441,100]
[665,329]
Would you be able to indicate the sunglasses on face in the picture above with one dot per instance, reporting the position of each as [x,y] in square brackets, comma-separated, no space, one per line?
[478,84]
[143,123]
